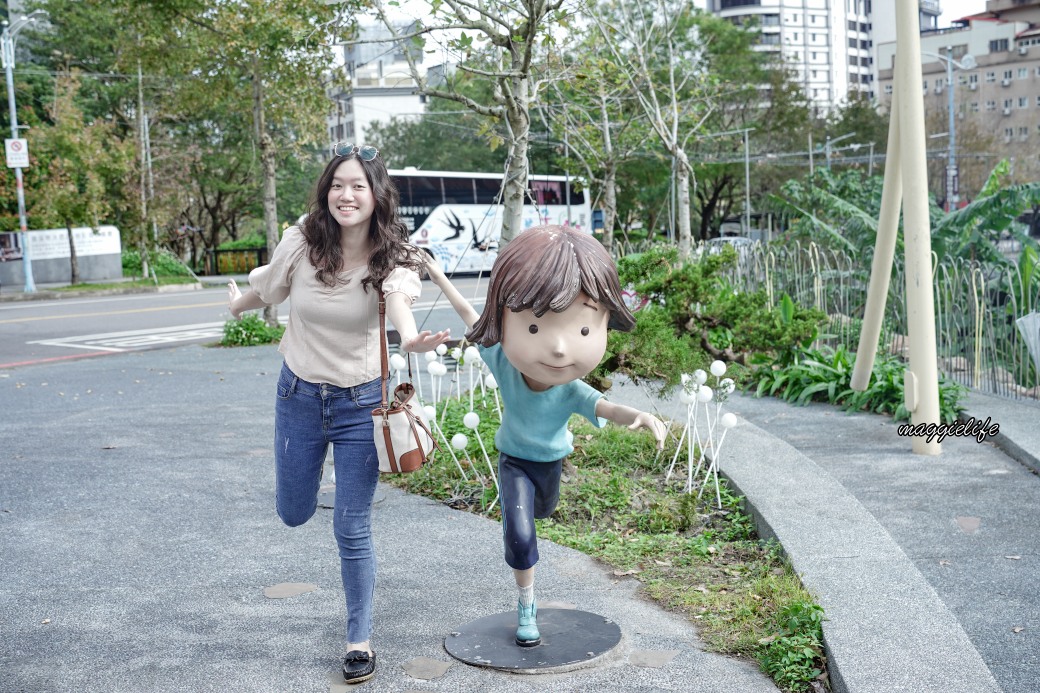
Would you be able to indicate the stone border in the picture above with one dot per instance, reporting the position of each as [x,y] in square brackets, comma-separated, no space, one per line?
[886,629]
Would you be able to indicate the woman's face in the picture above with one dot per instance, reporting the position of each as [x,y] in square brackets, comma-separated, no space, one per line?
[556,348]
[351,201]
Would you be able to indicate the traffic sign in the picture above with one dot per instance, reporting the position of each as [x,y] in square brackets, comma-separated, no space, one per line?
[17,153]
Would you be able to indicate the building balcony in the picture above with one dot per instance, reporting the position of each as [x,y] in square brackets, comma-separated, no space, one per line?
[930,7]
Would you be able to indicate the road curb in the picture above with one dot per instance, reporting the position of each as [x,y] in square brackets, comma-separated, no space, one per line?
[86,293]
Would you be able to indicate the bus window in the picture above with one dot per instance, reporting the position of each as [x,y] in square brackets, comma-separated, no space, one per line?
[420,191]
[458,191]
[577,194]
[547,192]
[487,190]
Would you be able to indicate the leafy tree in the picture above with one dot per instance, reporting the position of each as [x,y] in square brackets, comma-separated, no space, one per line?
[420,141]
[499,41]
[86,164]
[657,51]
[973,231]
[601,131]
[835,209]
[755,93]
[260,60]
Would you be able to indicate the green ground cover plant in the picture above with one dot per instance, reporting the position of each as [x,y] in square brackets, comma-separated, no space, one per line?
[692,557]
[824,374]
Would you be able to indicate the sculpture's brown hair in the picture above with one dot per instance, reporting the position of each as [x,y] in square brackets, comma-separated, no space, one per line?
[544,268]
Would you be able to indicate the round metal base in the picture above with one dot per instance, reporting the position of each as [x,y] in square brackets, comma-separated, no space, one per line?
[570,639]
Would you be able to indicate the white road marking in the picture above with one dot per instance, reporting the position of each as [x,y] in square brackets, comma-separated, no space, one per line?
[138,339]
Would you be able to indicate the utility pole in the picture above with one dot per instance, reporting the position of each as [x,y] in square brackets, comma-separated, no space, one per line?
[7,47]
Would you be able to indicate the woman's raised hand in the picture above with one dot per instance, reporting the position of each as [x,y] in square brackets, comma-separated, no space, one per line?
[234,293]
[426,341]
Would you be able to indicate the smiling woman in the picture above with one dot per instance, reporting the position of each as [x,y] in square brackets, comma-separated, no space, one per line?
[336,268]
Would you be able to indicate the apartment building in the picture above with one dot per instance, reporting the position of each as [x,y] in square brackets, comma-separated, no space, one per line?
[378,85]
[828,44]
[996,91]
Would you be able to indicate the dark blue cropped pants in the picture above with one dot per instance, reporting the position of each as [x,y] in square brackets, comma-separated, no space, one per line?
[528,490]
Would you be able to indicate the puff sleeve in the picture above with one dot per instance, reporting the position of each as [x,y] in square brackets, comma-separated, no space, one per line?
[405,281]
[271,282]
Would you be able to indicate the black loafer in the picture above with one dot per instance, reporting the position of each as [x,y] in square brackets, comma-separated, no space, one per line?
[359,666]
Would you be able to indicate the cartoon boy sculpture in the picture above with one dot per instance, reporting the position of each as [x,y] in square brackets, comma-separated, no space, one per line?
[553,294]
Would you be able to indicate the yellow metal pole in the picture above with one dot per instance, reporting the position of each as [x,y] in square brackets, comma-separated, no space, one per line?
[922,378]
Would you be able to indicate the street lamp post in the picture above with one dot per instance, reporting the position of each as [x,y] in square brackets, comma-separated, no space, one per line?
[10,31]
[827,146]
[967,62]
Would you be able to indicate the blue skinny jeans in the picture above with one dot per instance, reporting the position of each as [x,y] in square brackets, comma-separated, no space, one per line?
[308,418]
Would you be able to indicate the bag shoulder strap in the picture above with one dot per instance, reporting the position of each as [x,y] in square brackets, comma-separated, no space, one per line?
[384,366]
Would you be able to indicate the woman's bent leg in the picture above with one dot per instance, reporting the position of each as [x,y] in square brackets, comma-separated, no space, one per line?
[299,448]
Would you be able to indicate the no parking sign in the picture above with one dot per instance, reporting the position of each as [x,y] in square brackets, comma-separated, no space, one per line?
[17,153]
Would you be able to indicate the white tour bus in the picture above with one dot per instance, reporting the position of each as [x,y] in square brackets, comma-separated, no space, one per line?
[454,216]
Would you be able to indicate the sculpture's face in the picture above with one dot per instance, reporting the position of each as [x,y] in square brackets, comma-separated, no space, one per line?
[556,348]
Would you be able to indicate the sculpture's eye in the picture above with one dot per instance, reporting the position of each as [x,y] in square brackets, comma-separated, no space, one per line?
[533,329]
[584,332]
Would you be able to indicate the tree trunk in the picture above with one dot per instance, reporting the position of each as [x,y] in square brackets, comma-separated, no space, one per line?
[609,177]
[514,192]
[267,165]
[609,205]
[684,204]
[73,260]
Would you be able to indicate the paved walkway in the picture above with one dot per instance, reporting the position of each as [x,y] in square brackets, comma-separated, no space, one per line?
[138,536]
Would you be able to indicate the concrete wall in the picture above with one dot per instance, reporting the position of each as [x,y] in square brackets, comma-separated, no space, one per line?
[99,256]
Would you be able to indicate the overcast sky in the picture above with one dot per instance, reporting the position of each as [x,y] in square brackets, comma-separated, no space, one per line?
[955,9]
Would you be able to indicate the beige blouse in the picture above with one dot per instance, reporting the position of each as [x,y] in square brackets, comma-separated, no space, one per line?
[333,333]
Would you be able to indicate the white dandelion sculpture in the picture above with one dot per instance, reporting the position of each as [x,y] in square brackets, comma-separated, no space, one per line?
[437,371]
[691,384]
[471,421]
[704,432]
[492,385]
[726,422]
[471,358]
[397,364]
[456,354]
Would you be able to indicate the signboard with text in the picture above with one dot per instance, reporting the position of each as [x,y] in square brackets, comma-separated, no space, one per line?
[17,152]
[54,243]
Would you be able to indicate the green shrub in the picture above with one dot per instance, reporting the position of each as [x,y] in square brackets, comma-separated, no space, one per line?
[250,242]
[251,330]
[162,262]
[693,316]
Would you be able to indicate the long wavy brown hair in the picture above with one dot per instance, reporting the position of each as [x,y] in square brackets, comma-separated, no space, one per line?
[386,231]
[543,269]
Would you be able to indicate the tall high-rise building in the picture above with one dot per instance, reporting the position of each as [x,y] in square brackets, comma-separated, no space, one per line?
[829,45]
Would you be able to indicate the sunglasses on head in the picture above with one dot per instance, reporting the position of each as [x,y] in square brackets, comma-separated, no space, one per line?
[364,152]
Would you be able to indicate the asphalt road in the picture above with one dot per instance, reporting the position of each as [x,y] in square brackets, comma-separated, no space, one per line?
[34,332]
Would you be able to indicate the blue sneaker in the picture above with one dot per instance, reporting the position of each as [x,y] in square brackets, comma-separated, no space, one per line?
[527,634]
